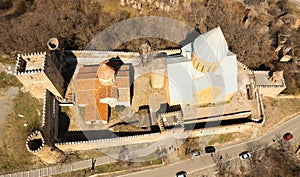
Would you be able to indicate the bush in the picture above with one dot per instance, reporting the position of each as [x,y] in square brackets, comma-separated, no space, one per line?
[120,108]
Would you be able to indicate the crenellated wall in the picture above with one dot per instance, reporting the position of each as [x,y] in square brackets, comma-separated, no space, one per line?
[245,67]
[152,137]
[108,142]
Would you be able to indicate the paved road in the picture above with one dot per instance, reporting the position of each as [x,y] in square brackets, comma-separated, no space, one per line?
[205,161]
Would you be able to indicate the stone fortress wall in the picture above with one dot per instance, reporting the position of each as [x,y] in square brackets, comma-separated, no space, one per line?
[51,109]
[152,137]
[50,124]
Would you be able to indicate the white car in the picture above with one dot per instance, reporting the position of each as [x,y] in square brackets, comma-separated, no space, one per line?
[245,155]
[196,154]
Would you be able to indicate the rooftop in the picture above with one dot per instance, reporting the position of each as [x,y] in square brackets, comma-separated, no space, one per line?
[262,78]
[86,88]
[28,62]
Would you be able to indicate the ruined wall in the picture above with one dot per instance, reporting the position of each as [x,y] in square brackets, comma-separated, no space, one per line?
[96,56]
[34,82]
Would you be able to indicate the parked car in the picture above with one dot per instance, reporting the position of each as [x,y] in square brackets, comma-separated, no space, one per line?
[287,137]
[210,149]
[181,174]
[196,154]
[245,155]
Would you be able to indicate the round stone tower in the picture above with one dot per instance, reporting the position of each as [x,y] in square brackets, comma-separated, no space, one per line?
[53,43]
[36,145]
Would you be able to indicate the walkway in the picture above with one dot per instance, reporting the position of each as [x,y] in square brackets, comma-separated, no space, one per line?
[58,169]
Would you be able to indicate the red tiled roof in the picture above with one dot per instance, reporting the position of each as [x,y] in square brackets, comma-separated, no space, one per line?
[108,92]
[105,72]
[86,87]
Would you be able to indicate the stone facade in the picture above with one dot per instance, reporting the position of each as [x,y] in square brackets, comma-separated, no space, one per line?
[37,73]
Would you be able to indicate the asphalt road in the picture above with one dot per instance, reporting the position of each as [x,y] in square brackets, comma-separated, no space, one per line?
[206,161]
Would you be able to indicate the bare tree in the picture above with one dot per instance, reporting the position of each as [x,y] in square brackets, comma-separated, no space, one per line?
[123,154]
[281,144]
[223,164]
[192,144]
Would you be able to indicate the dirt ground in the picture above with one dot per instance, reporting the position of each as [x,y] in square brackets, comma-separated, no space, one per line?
[277,111]
[6,98]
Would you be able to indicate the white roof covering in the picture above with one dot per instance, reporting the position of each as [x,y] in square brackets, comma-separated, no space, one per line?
[185,81]
[180,79]
[210,46]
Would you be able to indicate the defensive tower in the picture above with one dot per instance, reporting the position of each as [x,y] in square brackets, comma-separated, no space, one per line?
[37,72]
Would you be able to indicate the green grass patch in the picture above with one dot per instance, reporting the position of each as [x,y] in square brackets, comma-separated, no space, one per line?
[6,60]
[31,108]
[222,138]
[7,80]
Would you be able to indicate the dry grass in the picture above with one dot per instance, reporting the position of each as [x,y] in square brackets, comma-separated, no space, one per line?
[227,139]
[8,80]
[278,111]
[5,59]
[114,168]
[13,153]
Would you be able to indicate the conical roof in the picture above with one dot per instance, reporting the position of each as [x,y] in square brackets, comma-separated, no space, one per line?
[210,46]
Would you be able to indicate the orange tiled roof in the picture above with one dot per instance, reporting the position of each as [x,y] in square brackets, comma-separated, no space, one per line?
[108,92]
[105,71]
[86,87]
